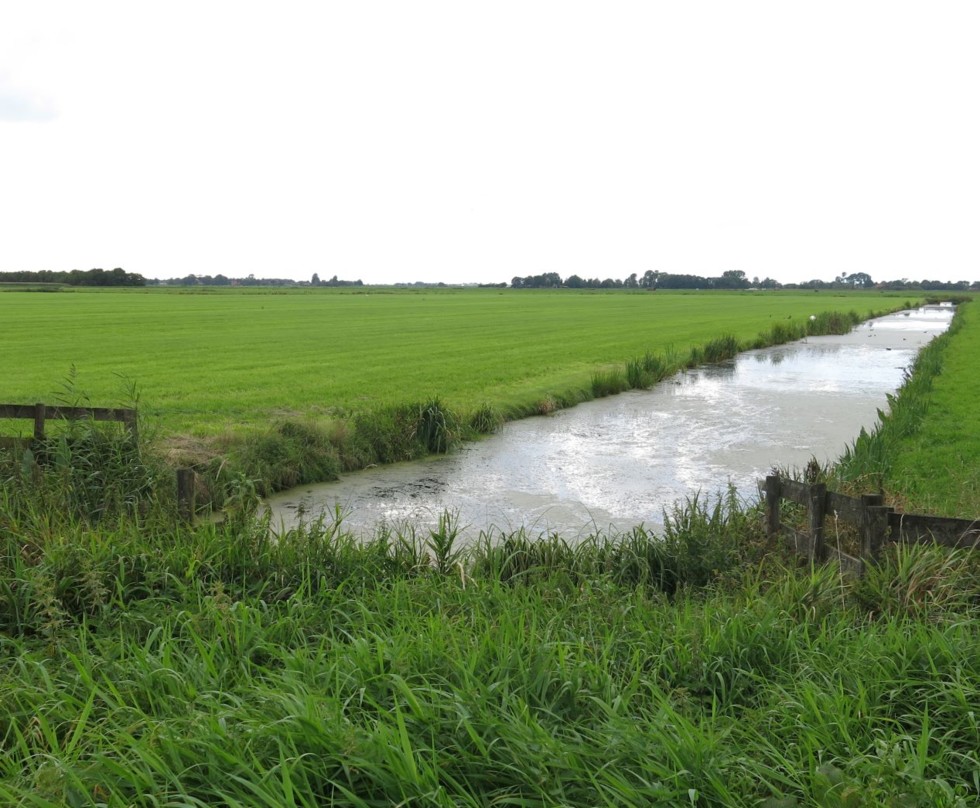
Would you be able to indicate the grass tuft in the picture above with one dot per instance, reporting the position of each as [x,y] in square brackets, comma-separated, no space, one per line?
[608,382]
[485,420]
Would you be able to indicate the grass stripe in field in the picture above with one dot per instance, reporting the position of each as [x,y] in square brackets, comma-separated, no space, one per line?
[204,361]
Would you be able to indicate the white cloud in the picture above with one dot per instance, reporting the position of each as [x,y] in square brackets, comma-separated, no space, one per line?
[19,105]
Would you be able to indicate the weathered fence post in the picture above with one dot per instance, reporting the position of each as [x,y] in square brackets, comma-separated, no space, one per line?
[39,416]
[186,484]
[874,529]
[772,505]
[816,505]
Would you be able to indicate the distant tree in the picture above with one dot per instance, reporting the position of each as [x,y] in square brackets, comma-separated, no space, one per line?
[667,281]
[99,277]
[548,280]
[649,279]
[631,282]
[860,280]
[574,282]
[732,279]
[316,279]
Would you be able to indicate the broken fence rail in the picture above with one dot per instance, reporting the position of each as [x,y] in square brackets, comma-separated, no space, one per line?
[878,524]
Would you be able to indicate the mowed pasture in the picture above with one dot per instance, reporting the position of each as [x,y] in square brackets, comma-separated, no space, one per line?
[207,362]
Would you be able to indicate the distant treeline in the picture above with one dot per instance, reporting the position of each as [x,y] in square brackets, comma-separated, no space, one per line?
[251,280]
[77,277]
[732,279]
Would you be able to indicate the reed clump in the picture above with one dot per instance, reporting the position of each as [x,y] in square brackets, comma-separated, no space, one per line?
[716,350]
[820,324]
[485,420]
[608,382]
[644,372]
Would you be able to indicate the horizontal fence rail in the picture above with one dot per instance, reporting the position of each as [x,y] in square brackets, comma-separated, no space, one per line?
[877,523]
[41,413]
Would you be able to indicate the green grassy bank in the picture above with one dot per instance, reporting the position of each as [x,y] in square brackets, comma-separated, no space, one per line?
[290,387]
[926,453]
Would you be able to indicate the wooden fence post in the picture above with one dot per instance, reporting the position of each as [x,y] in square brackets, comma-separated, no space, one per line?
[878,529]
[185,494]
[874,529]
[816,506]
[39,416]
[772,505]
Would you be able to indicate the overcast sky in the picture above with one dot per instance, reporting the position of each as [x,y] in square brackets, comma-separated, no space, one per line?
[472,142]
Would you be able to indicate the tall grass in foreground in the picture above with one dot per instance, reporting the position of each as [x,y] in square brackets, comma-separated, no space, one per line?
[146,663]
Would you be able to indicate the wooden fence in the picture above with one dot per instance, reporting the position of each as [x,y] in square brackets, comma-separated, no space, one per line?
[877,524]
[41,413]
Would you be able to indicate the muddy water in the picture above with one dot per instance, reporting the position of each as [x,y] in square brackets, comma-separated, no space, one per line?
[616,462]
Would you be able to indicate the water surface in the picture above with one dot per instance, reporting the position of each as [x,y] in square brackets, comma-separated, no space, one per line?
[616,462]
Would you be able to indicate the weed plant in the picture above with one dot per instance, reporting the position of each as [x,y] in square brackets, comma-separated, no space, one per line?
[646,371]
[437,427]
[85,472]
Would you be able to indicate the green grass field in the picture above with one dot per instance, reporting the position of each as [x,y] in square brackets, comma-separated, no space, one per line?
[145,662]
[207,362]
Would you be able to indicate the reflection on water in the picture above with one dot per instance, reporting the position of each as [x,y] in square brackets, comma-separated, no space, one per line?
[619,461]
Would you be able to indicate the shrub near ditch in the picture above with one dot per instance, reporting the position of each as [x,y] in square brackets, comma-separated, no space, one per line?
[403,432]
[290,453]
